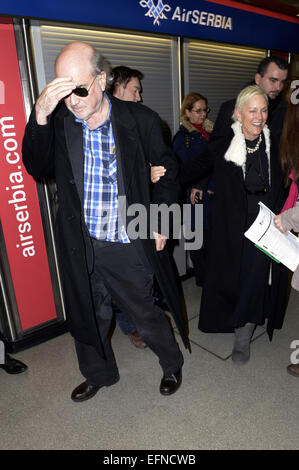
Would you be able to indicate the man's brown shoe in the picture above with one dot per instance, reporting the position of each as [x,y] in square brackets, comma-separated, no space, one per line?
[136,339]
[293,369]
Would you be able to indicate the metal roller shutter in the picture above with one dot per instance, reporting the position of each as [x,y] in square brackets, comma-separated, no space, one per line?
[218,71]
[154,56]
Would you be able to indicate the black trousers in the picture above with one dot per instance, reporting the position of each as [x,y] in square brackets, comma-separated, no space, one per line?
[121,276]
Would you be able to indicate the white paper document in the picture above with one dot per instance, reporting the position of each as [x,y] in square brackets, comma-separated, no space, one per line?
[284,248]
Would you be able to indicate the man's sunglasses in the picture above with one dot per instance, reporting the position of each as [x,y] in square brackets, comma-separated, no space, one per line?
[81,91]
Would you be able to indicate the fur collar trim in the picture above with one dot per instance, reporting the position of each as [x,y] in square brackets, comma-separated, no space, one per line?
[207,125]
[236,152]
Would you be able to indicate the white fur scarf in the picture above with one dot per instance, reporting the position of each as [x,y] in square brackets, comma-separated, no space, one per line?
[236,152]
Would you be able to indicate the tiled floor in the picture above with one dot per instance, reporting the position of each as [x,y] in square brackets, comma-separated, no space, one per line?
[219,406]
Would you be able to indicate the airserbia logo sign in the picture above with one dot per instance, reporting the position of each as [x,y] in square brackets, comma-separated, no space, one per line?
[161,11]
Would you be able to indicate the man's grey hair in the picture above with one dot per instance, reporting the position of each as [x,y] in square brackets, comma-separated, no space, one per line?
[100,64]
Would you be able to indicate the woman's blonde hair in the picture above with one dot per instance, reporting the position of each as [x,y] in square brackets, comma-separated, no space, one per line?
[245,95]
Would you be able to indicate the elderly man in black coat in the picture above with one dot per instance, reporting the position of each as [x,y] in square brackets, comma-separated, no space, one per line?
[99,148]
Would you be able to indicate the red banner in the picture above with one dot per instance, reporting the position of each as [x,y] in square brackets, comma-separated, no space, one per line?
[19,211]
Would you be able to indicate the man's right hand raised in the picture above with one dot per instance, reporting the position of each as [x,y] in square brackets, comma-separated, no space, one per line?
[55,91]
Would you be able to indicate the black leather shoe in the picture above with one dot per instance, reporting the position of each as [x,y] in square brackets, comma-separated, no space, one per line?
[13,366]
[86,391]
[171,384]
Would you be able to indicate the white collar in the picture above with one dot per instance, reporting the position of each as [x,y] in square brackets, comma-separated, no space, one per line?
[237,152]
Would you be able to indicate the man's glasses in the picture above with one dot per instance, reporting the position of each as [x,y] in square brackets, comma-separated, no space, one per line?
[81,91]
[201,110]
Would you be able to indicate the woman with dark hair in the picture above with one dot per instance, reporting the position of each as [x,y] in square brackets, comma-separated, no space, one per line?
[289,155]
[189,142]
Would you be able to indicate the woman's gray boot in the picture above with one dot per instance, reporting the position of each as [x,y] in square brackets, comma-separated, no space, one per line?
[241,349]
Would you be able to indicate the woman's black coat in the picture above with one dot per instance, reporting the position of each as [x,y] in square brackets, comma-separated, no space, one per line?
[228,224]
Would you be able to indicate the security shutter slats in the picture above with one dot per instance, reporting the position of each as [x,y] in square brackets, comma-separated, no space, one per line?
[153,56]
[219,71]
[216,70]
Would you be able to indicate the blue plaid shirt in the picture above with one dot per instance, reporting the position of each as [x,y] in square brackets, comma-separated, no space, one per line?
[101,209]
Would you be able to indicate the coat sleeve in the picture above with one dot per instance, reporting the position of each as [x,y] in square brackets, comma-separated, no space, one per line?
[197,168]
[203,184]
[295,279]
[38,148]
[185,155]
[290,219]
[179,147]
[224,120]
[166,190]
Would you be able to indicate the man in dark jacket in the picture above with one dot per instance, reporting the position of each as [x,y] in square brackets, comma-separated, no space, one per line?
[270,77]
[99,148]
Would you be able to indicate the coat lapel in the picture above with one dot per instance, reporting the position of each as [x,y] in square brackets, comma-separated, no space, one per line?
[231,170]
[126,143]
[74,142]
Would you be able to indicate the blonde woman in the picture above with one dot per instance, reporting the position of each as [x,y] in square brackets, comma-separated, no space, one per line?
[243,287]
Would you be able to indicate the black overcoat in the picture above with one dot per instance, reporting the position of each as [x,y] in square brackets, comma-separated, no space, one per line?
[56,149]
[228,224]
